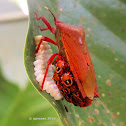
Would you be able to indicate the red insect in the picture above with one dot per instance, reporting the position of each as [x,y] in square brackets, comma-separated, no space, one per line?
[74,72]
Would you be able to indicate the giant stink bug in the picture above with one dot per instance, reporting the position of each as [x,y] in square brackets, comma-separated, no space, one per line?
[74,73]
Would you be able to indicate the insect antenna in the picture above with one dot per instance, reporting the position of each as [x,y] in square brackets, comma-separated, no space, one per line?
[51,13]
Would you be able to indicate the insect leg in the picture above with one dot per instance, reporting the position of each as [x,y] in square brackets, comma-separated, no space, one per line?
[46,22]
[44,39]
[43,29]
[48,64]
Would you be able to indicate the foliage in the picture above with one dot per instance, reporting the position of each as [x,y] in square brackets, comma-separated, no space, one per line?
[104,24]
[20,106]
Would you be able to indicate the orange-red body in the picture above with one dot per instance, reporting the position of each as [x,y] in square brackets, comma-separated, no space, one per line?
[74,73]
[72,47]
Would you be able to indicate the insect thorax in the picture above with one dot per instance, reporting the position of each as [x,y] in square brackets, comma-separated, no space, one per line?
[59,42]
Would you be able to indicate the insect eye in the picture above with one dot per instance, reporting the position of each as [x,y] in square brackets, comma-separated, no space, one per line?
[56,78]
[58,69]
[67,79]
[59,66]
[56,82]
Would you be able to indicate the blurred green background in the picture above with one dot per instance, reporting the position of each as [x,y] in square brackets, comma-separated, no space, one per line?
[104,22]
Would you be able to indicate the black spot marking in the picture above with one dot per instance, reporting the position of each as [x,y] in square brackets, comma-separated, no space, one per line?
[66,108]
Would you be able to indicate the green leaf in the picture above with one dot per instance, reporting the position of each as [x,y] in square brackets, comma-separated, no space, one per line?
[104,24]
[27,106]
[22,106]
[29,58]
[8,92]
